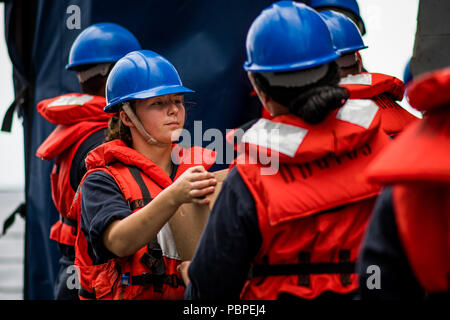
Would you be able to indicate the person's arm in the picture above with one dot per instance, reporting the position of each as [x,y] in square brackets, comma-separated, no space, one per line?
[101,203]
[124,237]
[382,250]
[228,245]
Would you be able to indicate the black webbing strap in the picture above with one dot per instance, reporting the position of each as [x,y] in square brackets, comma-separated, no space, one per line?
[69,222]
[146,197]
[84,293]
[147,279]
[9,115]
[301,269]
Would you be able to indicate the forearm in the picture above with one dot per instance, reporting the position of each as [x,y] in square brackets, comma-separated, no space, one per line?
[124,237]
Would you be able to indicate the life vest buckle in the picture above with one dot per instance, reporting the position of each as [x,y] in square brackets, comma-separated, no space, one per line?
[153,258]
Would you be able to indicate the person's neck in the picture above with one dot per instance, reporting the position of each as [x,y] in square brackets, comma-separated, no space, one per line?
[349,71]
[160,155]
[275,108]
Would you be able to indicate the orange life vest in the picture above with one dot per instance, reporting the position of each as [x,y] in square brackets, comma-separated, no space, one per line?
[77,116]
[313,212]
[151,272]
[384,90]
[417,164]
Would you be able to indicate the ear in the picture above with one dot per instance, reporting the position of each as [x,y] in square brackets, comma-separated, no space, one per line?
[125,119]
[264,98]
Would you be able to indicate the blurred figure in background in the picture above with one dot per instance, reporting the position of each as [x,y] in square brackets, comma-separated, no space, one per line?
[407,75]
[349,8]
[383,89]
[408,238]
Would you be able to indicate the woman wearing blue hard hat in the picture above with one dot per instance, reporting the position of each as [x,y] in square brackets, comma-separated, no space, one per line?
[135,183]
[81,127]
[383,89]
[349,8]
[294,232]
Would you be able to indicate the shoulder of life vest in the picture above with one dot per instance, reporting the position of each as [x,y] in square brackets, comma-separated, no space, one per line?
[417,154]
[422,215]
[367,85]
[72,108]
[288,139]
[318,160]
[64,137]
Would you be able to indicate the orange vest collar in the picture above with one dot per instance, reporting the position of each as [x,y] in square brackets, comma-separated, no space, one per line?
[73,108]
[366,85]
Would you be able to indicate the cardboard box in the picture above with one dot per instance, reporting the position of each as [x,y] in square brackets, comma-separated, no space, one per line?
[188,222]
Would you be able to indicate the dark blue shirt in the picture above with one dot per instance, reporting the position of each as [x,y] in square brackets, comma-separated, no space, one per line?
[230,242]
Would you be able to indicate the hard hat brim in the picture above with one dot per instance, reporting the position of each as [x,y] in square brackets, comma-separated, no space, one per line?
[113,107]
[351,49]
[70,66]
[253,67]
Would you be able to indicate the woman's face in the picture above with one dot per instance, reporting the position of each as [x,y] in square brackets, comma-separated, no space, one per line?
[163,117]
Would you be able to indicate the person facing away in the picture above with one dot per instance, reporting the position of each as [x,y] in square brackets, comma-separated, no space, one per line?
[383,89]
[349,8]
[407,245]
[135,182]
[81,123]
[295,232]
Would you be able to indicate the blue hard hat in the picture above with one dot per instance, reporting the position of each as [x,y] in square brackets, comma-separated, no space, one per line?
[345,33]
[140,75]
[101,43]
[349,5]
[288,36]
[407,75]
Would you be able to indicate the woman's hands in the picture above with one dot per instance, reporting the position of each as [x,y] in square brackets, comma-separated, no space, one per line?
[193,186]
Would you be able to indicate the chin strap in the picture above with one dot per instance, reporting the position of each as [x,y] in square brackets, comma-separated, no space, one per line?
[140,128]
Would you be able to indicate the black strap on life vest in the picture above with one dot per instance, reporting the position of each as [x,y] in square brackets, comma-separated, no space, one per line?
[84,293]
[304,268]
[70,222]
[301,269]
[146,197]
[147,279]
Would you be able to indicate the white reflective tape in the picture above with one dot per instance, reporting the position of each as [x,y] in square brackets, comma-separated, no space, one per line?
[167,243]
[358,111]
[276,136]
[71,100]
[363,79]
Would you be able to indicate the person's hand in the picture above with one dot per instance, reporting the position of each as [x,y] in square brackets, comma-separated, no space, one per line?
[193,186]
[183,270]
